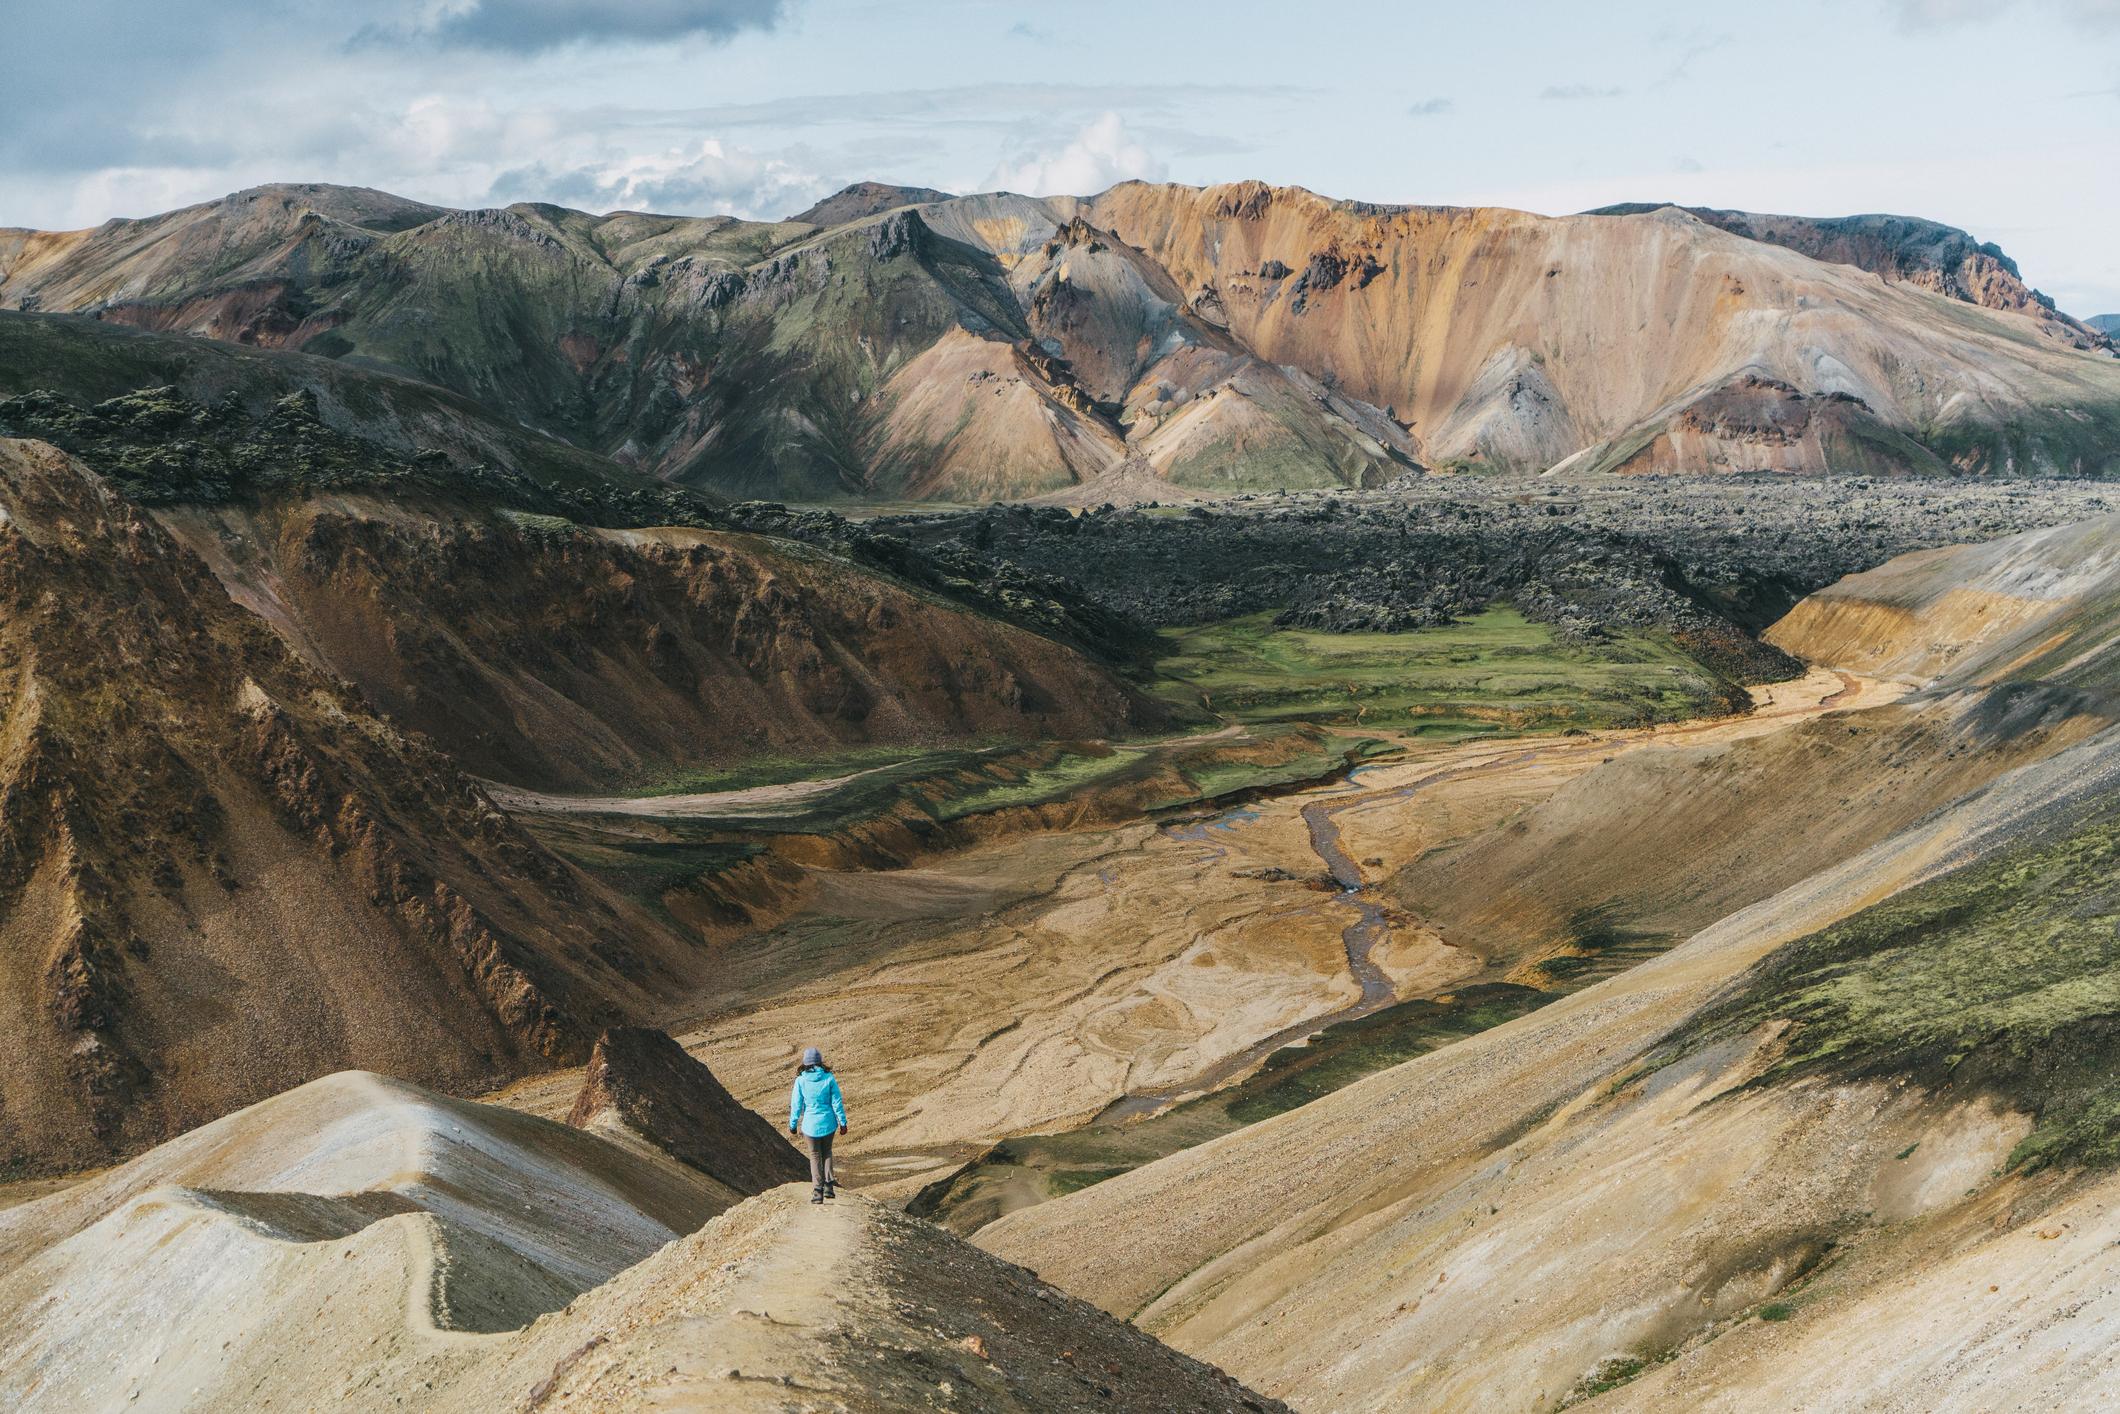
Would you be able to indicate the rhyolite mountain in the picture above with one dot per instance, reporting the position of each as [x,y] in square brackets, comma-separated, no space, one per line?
[1925,253]
[894,343]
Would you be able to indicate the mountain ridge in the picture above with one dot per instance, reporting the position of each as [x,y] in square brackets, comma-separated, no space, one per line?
[1931,254]
[1227,338]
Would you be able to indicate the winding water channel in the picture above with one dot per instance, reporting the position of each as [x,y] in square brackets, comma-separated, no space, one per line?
[1370,927]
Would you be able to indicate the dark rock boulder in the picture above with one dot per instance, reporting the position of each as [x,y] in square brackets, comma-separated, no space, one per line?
[647,1081]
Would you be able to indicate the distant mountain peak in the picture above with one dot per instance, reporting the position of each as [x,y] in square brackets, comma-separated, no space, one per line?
[1911,249]
[864,199]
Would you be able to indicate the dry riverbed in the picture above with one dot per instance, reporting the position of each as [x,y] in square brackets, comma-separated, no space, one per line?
[1038,982]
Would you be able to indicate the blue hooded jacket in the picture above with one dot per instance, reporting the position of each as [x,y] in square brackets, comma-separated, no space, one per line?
[815,1107]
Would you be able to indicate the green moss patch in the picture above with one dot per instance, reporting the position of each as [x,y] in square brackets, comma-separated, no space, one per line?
[1345,1053]
[1610,1374]
[1495,671]
[2001,978]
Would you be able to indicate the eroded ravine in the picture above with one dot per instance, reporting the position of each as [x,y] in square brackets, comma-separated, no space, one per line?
[1777,707]
[1073,976]
[1371,926]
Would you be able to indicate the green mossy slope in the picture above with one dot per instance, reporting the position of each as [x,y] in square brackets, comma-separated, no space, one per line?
[2000,978]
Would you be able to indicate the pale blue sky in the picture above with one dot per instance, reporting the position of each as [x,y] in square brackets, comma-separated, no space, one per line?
[2003,118]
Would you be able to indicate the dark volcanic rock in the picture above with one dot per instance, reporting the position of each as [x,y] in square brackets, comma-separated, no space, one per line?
[1710,562]
[897,234]
[643,1078]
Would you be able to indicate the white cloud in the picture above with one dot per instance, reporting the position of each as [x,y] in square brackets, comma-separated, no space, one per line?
[436,131]
[706,178]
[1918,15]
[1101,155]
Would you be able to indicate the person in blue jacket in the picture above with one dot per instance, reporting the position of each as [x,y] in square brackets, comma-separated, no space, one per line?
[817,1112]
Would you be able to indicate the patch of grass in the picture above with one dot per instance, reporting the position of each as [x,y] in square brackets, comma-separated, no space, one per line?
[648,867]
[773,769]
[1343,1054]
[1052,781]
[1211,772]
[1170,775]
[939,784]
[1776,1311]
[1495,671]
[645,868]
[951,785]
[1610,1374]
[1074,1180]
[1598,949]
[2000,978]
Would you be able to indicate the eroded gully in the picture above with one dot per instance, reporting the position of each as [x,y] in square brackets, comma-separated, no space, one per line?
[1361,937]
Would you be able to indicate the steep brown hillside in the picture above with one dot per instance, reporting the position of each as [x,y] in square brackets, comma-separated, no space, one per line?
[1711,830]
[554,656]
[2044,604]
[221,873]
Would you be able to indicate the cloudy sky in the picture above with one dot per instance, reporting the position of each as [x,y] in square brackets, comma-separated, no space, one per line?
[2002,116]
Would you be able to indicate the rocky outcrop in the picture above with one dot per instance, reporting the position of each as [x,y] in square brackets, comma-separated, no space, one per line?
[1059,381]
[641,1079]
[1754,423]
[897,234]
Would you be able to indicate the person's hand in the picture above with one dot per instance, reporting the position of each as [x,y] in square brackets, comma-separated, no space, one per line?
[842,1129]
[793,1130]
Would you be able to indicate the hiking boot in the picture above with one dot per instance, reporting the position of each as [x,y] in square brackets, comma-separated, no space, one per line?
[831,1190]
[816,1195]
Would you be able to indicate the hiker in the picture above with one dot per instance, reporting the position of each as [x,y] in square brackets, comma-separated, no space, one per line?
[816,1111]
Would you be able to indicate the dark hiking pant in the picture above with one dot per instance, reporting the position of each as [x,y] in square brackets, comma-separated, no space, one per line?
[820,1159]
